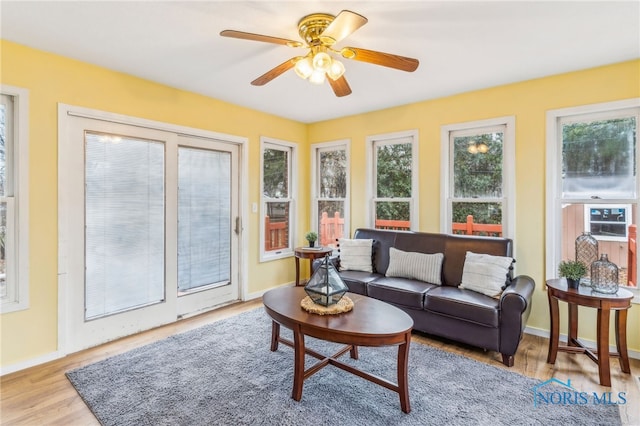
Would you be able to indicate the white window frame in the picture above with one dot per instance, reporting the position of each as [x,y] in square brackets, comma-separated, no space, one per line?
[508,198]
[17,244]
[270,143]
[409,136]
[554,199]
[315,175]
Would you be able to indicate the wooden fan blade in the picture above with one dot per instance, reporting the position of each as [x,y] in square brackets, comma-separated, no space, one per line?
[259,37]
[342,26]
[340,86]
[275,72]
[379,58]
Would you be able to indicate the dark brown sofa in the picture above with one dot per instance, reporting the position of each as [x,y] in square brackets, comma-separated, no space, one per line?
[448,311]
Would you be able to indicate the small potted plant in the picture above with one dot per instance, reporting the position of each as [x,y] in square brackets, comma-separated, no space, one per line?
[572,270]
[311,237]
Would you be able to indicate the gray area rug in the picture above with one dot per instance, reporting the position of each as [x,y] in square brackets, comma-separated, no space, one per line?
[225,374]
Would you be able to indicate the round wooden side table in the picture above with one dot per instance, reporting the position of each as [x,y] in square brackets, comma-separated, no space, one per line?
[311,253]
[620,302]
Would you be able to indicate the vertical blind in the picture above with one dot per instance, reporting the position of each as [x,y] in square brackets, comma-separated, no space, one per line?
[124,223]
[204,218]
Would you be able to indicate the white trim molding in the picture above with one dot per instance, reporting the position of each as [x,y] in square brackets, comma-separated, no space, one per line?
[19,274]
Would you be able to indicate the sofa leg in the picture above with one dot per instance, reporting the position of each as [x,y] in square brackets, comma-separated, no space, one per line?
[507,360]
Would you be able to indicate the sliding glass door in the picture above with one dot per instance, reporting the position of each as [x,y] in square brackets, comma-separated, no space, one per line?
[207,224]
[152,228]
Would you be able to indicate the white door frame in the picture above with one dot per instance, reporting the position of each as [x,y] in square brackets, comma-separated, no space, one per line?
[66,113]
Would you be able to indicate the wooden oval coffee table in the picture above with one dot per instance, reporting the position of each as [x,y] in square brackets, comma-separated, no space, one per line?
[370,323]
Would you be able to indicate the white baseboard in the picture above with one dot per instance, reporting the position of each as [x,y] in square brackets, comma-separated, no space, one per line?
[31,363]
[546,334]
[258,294]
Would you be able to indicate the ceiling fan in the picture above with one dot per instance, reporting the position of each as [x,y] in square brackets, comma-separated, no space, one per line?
[320,32]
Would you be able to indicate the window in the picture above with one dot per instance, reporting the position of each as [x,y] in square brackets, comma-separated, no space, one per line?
[14,207]
[278,159]
[476,185]
[331,191]
[394,171]
[592,183]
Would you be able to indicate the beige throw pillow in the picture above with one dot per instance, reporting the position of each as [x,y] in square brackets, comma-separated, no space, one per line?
[485,273]
[413,265]
[355,255]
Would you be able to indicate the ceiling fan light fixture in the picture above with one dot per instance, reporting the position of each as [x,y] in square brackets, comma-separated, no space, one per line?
[336,70]
[317,76]
[304,68]
[322,61]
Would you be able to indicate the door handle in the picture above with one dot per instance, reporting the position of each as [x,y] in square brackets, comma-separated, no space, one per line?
[237,230]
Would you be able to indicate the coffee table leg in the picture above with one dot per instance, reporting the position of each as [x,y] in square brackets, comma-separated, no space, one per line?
[275,335]
[354,352]
[298,363]
[403,382]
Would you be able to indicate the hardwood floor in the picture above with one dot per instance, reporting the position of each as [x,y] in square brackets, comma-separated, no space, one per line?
[42,395]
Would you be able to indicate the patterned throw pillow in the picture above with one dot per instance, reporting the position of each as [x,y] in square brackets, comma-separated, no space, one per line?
[485,273]
[355,255]
[413,265]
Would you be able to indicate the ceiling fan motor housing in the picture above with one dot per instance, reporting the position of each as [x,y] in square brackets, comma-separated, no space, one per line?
[312,26]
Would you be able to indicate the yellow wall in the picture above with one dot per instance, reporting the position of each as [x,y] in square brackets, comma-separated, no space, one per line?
[52,79]
[528,101]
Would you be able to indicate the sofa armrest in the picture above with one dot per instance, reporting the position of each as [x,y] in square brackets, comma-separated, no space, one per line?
[515,307]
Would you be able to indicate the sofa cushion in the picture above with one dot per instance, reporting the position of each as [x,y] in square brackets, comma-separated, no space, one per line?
[413,265]
[485,273]
[464,304]
[400,291]
[357,280]
[381,242]
[355,255]
[456,248]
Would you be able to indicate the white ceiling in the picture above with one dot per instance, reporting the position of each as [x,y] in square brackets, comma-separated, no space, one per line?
[461,46]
